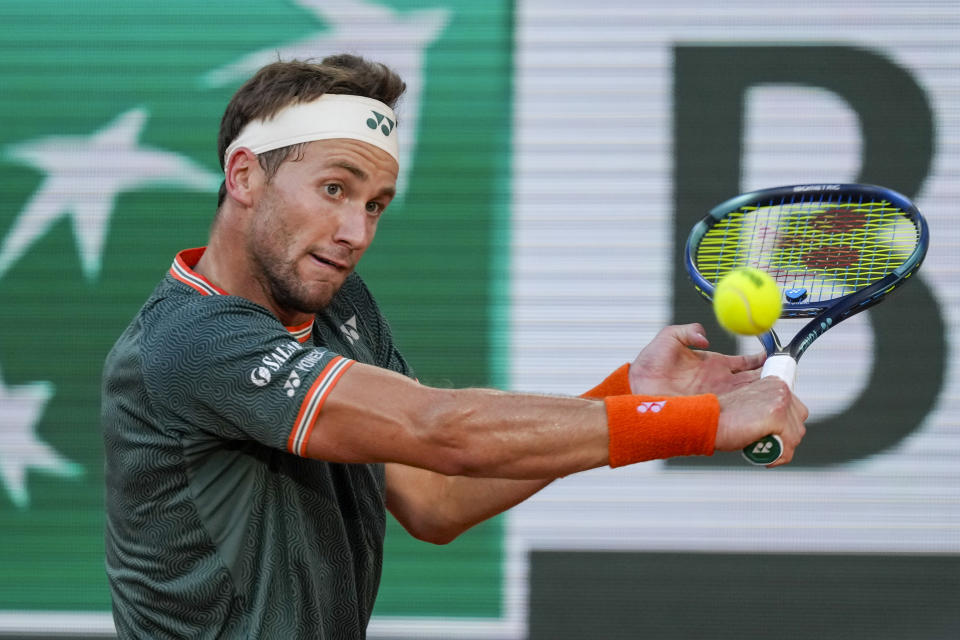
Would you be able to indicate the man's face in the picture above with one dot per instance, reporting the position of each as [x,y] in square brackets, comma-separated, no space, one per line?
[316,218]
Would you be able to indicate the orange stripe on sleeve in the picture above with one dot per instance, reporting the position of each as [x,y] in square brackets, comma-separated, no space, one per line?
[313,402]
[321,399]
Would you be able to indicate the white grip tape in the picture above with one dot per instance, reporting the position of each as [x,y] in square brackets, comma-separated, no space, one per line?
[782,366]
[764,452]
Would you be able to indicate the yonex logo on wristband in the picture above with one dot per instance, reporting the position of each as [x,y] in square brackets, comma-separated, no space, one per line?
[652,407]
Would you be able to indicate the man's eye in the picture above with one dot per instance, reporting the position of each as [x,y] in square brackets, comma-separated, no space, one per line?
[333,189]
[374,208]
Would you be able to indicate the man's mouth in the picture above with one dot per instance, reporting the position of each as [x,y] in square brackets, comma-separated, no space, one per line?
[336,264]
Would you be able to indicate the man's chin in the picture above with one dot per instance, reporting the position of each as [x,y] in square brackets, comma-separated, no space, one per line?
[318,299]
[306,300]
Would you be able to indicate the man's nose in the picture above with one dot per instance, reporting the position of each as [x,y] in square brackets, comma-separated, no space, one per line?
[352,227]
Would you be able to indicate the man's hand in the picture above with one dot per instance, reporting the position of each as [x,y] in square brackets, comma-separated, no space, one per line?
[757,410]
[673,365]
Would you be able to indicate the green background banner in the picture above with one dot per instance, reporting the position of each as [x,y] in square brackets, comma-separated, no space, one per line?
[97,90]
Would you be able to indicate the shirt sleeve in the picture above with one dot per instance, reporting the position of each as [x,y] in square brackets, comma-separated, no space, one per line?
[228,368]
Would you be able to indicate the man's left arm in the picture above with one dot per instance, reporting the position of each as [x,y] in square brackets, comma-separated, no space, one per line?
[437,508]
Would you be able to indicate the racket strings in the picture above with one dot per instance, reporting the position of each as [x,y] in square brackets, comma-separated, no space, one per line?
[828,247]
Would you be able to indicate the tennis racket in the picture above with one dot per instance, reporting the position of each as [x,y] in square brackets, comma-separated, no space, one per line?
[833,249]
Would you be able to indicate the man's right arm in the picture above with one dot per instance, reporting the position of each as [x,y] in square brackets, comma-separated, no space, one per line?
[374,415]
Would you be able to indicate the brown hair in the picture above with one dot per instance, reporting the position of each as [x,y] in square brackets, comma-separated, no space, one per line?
[281,84]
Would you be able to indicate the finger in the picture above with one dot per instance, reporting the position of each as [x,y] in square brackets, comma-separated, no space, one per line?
[731,381]
[747,362]
[743,378]
[785,458]
[793,434]
[790,445]
[803,410]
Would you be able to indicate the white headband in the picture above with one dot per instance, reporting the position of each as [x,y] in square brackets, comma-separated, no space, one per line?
[332,115]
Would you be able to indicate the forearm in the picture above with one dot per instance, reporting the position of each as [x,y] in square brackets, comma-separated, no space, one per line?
[375,416]
[528,436]
[438,508]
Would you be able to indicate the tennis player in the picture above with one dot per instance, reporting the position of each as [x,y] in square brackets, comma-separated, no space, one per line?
[259,419]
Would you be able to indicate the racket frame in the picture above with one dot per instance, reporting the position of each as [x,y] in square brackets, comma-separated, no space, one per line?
[824,313]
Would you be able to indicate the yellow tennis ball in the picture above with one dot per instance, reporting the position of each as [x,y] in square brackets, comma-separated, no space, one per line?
[747,301]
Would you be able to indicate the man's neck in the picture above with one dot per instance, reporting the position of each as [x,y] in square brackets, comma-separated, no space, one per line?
[226,264]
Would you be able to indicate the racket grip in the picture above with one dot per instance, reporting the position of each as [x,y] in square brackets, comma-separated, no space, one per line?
[768,450]
[782,366]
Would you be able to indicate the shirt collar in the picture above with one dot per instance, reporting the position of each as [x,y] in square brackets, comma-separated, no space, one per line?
[182,271]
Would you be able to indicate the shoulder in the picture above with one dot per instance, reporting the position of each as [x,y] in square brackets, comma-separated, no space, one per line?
[181,329]
[206,316]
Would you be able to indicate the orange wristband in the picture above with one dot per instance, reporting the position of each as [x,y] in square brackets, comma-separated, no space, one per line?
[653,427]
[616,384]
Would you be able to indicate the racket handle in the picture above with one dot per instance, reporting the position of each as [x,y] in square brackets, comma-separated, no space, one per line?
[768,450]
[781,365]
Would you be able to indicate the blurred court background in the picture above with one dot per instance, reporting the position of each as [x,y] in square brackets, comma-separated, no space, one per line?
[555,156]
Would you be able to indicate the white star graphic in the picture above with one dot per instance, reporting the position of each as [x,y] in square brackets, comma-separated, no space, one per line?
[373,31]
[84,176]
[20,448]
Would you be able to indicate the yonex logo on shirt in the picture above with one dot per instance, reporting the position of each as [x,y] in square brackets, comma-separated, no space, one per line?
[292,383]
[349,329]
[652,407]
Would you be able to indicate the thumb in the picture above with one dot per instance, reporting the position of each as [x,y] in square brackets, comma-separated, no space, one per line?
[692,335]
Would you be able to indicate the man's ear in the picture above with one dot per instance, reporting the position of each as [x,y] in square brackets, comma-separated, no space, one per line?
[243,177]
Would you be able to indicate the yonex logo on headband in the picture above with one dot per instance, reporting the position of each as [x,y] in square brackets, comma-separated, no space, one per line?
[385,127]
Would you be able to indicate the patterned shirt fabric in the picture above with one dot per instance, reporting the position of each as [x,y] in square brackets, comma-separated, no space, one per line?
[217,526]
